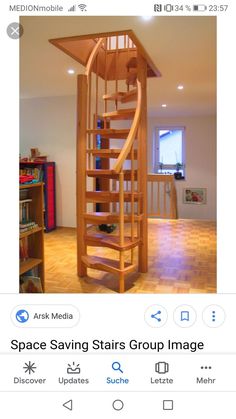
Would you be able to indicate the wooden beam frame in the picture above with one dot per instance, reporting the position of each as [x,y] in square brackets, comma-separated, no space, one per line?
[62,43]
[81,147]
[142,161]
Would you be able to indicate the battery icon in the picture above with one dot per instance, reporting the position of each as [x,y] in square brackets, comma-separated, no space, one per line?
[199,7]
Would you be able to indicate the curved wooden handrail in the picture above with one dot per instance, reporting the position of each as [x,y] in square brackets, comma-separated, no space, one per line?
[93,56]
[131,136]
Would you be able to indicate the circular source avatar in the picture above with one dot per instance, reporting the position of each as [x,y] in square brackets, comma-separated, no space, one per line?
[22,316]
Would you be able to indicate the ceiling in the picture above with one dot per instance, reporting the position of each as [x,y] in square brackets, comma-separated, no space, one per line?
[183,49]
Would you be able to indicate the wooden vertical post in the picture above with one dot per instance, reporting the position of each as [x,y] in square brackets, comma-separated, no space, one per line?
[89,117]
[105,85]
[164,190]
[116,69]
[158,200]
[152,195]
[82,87]
[121,223]
[121,207]
[132,201]
[105,164]
[142,162]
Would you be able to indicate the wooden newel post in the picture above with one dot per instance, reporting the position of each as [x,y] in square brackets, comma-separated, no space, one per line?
[81,171]
[142,153]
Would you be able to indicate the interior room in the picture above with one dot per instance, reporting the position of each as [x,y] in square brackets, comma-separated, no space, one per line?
[180,170]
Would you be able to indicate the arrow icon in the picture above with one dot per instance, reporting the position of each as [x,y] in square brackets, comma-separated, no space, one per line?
[68,405]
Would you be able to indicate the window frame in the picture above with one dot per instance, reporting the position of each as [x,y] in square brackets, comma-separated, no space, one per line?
[156,148]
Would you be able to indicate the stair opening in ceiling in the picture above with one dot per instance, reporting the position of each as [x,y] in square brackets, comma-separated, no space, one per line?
[120,42]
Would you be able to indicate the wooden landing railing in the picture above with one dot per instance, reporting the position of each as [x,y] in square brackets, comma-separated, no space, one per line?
[162,198]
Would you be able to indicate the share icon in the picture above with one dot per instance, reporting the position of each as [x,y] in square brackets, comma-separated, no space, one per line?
[156,316]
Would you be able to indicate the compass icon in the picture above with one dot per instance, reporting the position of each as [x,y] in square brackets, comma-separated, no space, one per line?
[29,367]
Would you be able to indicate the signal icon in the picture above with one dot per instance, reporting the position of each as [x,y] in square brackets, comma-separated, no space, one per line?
[82,7]
[72,9]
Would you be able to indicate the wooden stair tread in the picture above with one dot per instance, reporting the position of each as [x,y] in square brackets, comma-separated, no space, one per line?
[113,242]
[105,264]
[110,153]
[110,174]
[104,196]
[130,96]
[120,114]
[110,133]
[123,97]
[109,217]
[114,96]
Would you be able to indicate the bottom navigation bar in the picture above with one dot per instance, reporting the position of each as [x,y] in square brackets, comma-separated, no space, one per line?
[119,405]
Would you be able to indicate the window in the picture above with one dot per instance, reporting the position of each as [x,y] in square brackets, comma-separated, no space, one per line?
[169,151]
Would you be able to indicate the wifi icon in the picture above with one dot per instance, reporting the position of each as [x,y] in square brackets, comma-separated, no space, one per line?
[82,7]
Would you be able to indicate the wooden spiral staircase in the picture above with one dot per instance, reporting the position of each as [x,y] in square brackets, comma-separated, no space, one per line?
[116,71]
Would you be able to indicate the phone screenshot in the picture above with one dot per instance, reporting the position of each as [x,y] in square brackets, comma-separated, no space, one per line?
[118,291]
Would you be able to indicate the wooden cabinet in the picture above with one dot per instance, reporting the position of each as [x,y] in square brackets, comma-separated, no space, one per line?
[45,172]
[32,240]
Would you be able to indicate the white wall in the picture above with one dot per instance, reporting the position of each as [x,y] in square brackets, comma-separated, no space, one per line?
[50,125]
[200,142]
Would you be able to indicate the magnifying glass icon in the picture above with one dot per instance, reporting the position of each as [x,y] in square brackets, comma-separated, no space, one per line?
[117,367]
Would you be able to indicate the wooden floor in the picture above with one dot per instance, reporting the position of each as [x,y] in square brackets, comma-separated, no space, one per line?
[182,259]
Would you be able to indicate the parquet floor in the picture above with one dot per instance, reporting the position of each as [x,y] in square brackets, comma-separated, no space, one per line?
[182,259]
